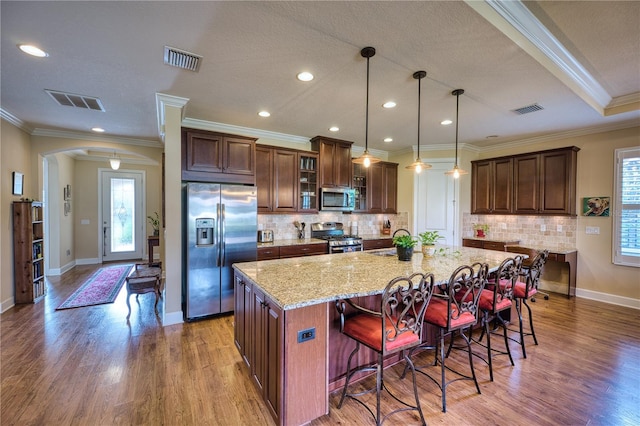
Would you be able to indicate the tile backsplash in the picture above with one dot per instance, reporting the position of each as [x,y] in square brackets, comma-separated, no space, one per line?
[368,224]
[550,232]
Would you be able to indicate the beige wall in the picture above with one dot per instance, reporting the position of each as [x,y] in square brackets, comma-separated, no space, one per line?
[15,155]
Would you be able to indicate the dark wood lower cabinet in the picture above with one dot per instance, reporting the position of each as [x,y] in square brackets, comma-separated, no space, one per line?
[377,244]
[290,374]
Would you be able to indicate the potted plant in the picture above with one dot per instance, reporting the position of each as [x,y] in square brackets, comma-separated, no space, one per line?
[404,246]
[428,240]
[154,221]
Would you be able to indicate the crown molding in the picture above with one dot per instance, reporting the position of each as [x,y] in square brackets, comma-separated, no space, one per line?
[67,134]
[7,116]
[566,135]
[625,103]
[246,131]
[162,101]
[515,21]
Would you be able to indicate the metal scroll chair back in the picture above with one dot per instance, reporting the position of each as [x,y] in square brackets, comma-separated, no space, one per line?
[395,327]
[526,290]
[464,289]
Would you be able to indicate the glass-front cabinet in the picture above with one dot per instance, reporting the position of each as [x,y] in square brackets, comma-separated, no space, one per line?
[308,186]
[360,186]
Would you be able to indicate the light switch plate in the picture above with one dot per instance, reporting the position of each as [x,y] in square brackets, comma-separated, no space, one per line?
[592,230]
[543,227]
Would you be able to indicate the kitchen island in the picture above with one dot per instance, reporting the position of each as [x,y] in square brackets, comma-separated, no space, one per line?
[286,325]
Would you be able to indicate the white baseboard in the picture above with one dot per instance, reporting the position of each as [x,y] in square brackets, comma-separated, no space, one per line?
[93,261]
[55,272]
[608,298]
[171,318]
[7,304]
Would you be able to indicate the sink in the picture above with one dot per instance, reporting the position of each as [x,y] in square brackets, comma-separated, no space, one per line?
[391,252]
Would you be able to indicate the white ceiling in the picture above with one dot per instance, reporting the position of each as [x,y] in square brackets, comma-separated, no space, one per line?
[253,50]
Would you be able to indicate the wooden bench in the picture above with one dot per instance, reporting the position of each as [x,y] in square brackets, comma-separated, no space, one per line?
[144,278]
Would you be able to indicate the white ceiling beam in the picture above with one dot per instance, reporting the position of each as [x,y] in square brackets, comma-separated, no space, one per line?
[515,21]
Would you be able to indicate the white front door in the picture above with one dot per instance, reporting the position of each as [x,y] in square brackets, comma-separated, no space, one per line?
[435,208]
[122,214]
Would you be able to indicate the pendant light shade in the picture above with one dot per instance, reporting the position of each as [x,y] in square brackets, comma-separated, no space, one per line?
[418,165]
[367,159]
[114,161]
[456,172]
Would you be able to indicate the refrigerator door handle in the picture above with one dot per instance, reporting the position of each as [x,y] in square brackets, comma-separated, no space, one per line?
[223,231]
[219,233]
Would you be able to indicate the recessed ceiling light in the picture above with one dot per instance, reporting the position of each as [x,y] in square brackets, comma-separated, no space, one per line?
[264,114]
[389,104]
[33,50]
[388,139]
[305,76]
[334,128]
[446,122]
[98,129]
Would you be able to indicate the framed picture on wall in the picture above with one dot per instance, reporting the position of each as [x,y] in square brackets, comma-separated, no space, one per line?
[18,181]
[595,206]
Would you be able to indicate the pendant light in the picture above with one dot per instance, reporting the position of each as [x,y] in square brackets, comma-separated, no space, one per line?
[457,171]
[418,165]
[367,159]
[114,161]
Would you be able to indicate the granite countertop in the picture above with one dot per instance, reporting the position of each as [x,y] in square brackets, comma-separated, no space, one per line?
[562,249]
[303,281]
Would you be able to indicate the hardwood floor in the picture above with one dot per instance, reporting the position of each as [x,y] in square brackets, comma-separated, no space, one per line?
[88,366]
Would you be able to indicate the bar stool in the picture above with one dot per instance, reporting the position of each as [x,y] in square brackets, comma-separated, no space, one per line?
[524,290]
[496,298]
[451,314]
[393,329]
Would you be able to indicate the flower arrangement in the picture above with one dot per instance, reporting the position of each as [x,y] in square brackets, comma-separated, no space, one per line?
[480,229]
[154,221]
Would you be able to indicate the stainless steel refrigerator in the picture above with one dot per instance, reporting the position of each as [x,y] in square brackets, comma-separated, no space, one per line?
[220,229]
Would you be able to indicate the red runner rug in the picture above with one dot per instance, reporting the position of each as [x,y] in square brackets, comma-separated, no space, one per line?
[102,287]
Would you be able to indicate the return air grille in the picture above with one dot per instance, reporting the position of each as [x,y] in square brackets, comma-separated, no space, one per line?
[78,101]
[527,109]
[182,59]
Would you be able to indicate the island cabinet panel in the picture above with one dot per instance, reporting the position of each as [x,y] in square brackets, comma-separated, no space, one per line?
[290,373]
[242,310]
[334,156]
[217,157]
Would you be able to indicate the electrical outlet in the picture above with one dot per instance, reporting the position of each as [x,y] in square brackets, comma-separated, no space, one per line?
[308,334]
[84,222]
[559,228]
[592,230]
[543,227]
[68,252]
[503,225]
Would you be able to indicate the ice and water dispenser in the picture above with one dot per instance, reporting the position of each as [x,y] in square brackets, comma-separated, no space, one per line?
[204,232]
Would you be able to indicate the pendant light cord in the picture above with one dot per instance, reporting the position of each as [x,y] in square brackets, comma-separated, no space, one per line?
[366,130]
[419,91]
[457,113]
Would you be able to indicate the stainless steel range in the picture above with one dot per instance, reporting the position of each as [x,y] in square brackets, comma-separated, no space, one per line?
[333,232]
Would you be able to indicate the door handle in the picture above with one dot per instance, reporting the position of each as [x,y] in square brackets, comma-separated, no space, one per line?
[219,235]
[104,239]
[223,231]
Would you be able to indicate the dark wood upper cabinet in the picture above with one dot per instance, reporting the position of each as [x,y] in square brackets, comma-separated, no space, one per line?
[334,156]
[218,157]
[286,180]
[492,186]
[535,183]
[264,178]
[390,191]
[376,187]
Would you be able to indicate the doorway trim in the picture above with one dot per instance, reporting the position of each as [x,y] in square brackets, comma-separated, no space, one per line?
[143,206]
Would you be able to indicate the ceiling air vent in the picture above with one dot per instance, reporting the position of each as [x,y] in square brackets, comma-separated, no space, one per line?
[181,59]
[527,109]
[78,101]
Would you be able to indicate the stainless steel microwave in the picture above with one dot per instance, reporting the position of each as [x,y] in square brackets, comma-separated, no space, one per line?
[338,199]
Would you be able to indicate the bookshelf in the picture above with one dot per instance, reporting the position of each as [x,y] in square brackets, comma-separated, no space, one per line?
[28,251]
